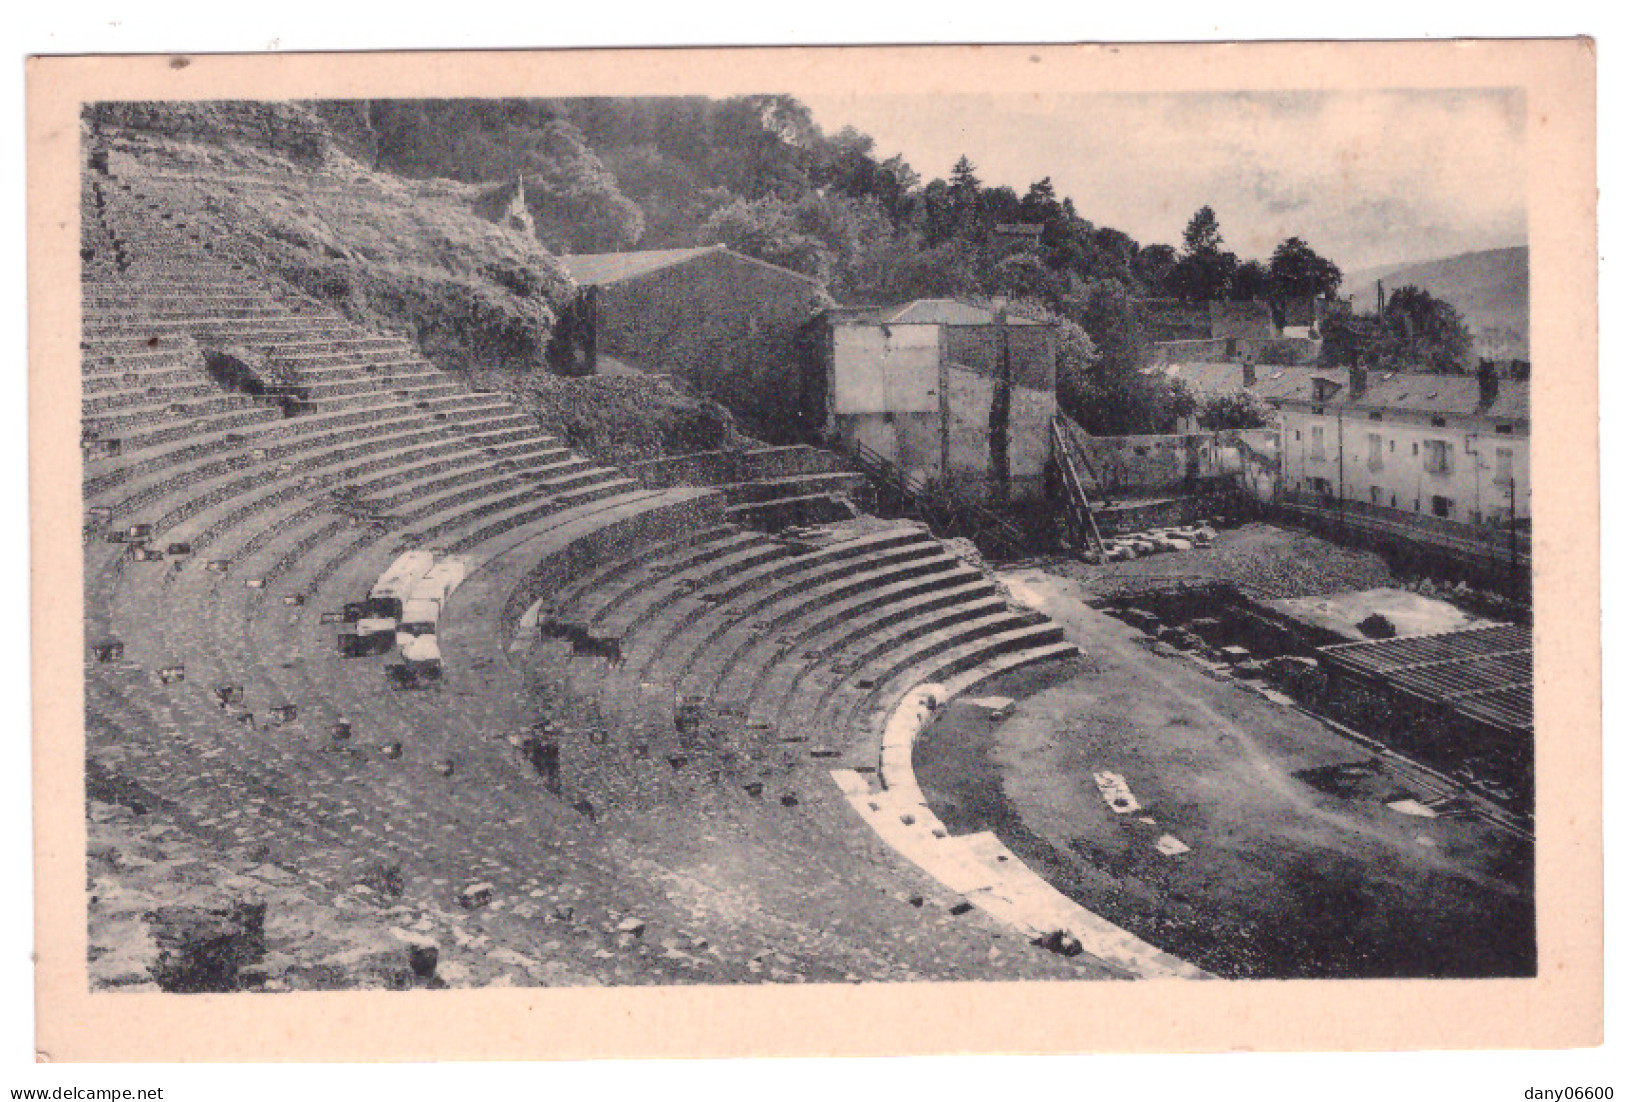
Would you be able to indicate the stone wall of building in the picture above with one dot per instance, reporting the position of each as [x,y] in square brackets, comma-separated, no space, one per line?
[728,326]
[1128,465]
[1032,351]
[1172,320]
[1240,319]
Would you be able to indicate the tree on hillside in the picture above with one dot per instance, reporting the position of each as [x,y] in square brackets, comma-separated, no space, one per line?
[1250,282]
[1107,314]
[1202,233]
[1202,277]
[766,229]
[996,205]
[1114,395]
[1152,266]
[1297,271]
[1427,331]
[1040,206]
[1204,269]
[673,199]
[848,228]
[1348,338]
[850,167]
[762,145]
[903,268]
[828,235]
[1415,332]
[962,178]
[939,220]
[575,201]
[1115,253]
[1130,404]
[952,207]
[1024,275]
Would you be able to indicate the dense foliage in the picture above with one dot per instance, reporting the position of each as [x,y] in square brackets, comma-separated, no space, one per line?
[1233,411]
[1414,331]
[757,173]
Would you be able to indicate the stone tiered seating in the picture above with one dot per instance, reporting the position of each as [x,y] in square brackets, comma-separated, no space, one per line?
[788,644]
[701,679]
[220,774]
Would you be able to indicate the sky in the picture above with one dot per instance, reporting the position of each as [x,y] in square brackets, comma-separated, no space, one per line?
[1367,178]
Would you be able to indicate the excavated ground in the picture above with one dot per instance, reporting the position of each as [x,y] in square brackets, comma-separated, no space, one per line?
[1261,558]
[1283,878]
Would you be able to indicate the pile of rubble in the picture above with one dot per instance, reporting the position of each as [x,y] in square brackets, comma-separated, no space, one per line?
[1138,545]
[1480,602]
[1204,641]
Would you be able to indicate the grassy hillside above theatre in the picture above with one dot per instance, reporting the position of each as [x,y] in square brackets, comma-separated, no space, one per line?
[271,186]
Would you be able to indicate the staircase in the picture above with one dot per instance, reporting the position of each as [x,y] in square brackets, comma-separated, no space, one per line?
[896,490]
[1080,515]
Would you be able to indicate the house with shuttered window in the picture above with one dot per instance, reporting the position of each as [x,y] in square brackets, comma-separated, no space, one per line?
[1446,456]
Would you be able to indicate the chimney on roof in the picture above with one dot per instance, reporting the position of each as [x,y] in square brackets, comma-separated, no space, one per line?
[1489,384]
[1358,377]
[1249,372]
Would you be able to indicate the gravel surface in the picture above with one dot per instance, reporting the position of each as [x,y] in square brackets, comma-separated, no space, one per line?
[1261,559]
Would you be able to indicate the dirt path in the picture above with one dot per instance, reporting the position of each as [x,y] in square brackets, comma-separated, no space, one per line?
[1281,879]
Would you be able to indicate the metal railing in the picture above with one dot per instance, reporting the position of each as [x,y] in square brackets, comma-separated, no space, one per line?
[1488,544]
[945,515]
[1080,515]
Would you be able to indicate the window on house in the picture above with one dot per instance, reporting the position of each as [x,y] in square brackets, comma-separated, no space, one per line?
[1317,442]
[1442,506]
[1373,450]
[1377,416]
[1413,447]
[1317,410]
[1504,430]
[1503,466]
[1376,495]
[1437,458]
[1297,434]
[1437,422]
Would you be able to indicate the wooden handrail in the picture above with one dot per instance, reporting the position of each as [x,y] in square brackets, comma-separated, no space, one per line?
[1079,511]
[1071,430]
[939,513]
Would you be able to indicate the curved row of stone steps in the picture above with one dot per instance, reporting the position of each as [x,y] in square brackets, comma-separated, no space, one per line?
[681,821]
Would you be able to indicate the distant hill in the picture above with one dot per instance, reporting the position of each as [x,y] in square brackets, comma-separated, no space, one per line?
[1490,289]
